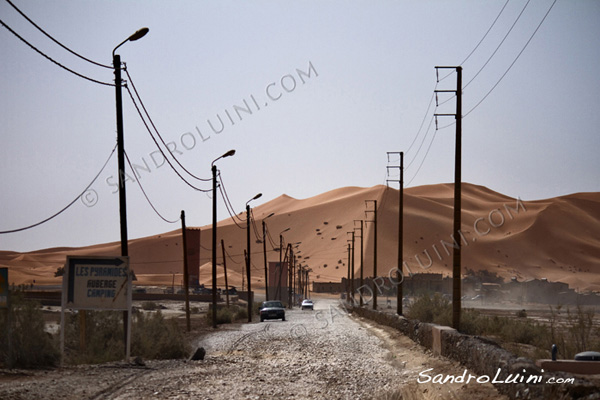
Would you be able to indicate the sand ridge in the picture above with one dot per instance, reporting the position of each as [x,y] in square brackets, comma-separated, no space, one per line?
[557,239]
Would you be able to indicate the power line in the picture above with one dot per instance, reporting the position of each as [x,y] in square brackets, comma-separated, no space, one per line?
[56,41]
[422,161]
[156,130]
[422,141]
[227,207]
[227,201]
[68,205]
[423,121]
[482,39]
[514,61]
[146,196]
[51,59]
[158,146]
[497,48]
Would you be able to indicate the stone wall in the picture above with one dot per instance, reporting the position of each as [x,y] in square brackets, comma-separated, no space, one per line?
[486,358]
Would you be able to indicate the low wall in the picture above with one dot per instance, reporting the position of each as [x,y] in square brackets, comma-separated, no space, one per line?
[486,358]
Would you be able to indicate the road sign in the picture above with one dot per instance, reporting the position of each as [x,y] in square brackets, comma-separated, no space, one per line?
[3,287]
[96,283]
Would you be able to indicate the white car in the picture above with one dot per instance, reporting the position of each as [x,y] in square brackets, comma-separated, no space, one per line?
[307,304]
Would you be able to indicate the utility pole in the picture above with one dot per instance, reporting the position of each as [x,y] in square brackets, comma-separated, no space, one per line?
[352,268]
[264,239]
[399,275]
[245,262]
[374,221]
[186,278]
[456,255]
[362,261]
[213,169]
[225,270]
[290,277]
[348,278]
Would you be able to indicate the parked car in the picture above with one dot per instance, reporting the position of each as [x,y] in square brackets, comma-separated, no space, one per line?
[307,304]
[272,309]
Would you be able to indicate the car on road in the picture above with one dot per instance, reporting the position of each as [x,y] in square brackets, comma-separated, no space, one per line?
[272,309]
[307,304]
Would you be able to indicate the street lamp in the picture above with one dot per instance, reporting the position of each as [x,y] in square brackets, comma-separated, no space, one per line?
[213,168]
[120,143]
[121,161]
[264,239]
[250,300]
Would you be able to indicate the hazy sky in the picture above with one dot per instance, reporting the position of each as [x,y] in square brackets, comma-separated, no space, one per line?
[310,94]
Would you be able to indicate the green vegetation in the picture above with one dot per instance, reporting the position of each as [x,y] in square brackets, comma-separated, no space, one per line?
[576,335]
[27,345]
[152,336]
[227,315]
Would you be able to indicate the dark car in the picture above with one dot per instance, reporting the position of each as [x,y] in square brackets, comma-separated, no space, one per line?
[272,309]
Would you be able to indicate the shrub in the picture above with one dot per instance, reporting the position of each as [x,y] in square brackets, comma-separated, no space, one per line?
[104,337]
[435,309]
[150,306]
[155,337]
[152,337]
[30,345]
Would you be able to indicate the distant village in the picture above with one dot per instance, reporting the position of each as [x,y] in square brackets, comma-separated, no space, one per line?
[481,287]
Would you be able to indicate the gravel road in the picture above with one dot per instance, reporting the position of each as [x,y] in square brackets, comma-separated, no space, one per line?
[320,354]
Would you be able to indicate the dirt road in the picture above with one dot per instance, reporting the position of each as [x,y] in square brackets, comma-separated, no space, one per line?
[320,354]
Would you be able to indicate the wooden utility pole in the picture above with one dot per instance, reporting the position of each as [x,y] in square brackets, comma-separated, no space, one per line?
[456,255]
[352,281]
[186,276]
[399,276]
[374,221]
[264,239]
[362,261]
[225,269]
[348,278]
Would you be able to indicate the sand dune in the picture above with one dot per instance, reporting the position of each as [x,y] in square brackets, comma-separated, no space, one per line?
[557,239]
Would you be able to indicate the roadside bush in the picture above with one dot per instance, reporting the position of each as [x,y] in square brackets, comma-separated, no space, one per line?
[150,306]
[104,337]
[434,309]
[224,315]
[30,345]
[154,337]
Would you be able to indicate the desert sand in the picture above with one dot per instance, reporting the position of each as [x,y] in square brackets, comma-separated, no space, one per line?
[557,239]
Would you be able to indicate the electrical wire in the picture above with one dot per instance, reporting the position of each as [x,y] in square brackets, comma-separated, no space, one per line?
[514,61]
[422,141]
[226,199]
[423,121]
[51,59]
[146,196]
[56,41]
[156,130]
[68,205]
[228,210]
[423,160]
[158,146]
[482,39]
[497,48]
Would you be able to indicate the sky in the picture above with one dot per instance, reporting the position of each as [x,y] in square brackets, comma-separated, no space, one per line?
[311,95]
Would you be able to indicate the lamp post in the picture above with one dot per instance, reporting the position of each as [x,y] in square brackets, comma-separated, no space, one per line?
[250,300]
[264,239]
[120,143]
[213,168]
[121,161]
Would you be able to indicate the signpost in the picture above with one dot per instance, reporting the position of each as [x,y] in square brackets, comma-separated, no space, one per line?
[97,283]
